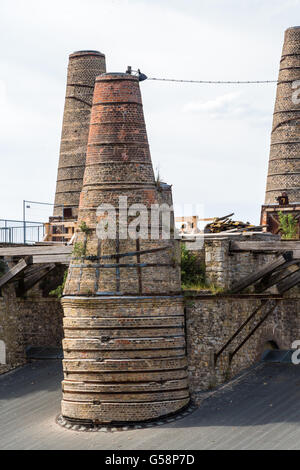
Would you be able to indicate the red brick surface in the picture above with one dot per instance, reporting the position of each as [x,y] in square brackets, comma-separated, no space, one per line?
[124,323]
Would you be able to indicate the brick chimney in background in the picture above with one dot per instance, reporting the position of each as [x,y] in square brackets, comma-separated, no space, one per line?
[83,68]
[283,181]
[124,346]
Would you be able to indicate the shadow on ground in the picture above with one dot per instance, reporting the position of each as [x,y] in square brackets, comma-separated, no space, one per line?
[260,410]
[36,376]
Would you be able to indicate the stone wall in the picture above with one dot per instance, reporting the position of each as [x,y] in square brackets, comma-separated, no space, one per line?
[31,321]
[224,268]
[212,320]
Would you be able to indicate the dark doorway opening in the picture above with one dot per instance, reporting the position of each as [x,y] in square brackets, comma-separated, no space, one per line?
[270,346]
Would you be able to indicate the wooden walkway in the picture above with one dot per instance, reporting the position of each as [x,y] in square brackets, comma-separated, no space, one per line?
[29,264]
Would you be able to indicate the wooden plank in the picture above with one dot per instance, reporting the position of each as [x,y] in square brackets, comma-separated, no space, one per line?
[276,246]
[37,270]
[30,270]
[267,269]
[41,259]
[257,309]
[273,223]
[288,282]
[34,278]
[48,243]
[207,219]
[15,270]
[296,254]
[35,250]
[221,235]
[271,279]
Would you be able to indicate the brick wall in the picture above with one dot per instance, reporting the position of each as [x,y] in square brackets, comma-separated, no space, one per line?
[283,171]
[83,68]
[126,362]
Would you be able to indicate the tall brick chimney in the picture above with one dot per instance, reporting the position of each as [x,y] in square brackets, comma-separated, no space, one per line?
[283,181]
[84,66]
[124,345]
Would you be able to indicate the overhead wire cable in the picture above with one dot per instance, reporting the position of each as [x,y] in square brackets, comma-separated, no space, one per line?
[218,82]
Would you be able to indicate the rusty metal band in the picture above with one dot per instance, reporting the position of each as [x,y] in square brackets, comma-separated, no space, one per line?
[116,103]
[121,255]
[114,143]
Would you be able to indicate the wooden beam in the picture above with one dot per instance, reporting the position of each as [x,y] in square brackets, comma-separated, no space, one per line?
[288,282]
[271,279]
[188,237]
[276,246]
[30,270]
[15,270]
[36,276]
[269,311]
[257,309]
[42,259]
[49,243]
[267,269]
[35,250]
[275,224]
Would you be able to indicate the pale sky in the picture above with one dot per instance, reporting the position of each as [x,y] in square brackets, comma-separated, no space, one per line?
[210,141]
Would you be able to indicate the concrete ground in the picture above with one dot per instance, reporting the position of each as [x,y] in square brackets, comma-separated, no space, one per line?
[261,410]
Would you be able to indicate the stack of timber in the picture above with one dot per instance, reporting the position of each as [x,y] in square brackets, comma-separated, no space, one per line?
[226,224]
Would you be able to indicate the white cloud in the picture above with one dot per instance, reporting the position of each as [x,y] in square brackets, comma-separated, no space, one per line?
[221,105]
[3,94]
[278,6]
[233,105]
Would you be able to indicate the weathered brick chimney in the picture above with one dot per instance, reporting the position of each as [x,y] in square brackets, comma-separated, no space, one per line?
[283,181]
[124,345]
[84,66]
